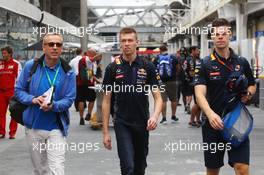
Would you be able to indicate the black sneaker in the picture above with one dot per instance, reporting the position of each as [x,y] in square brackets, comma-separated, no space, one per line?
[199,122]
[174,119]
[163,121]
[81,121]
[88,117]
[192,124]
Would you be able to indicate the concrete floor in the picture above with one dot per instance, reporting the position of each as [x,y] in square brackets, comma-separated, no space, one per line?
[95,160]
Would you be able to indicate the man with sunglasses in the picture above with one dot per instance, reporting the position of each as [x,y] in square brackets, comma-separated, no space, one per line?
[47,119]
[211,90]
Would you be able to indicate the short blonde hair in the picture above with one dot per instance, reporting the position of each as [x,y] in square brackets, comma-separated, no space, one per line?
[127,30]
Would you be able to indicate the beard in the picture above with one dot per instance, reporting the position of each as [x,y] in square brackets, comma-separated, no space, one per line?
[4,58]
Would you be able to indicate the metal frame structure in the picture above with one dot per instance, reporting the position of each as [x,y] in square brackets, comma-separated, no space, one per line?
[167,17]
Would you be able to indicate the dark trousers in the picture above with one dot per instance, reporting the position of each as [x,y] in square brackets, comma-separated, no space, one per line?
[132,145]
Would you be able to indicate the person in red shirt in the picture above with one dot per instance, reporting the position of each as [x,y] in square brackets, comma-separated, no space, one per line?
[9,70]
[85,80]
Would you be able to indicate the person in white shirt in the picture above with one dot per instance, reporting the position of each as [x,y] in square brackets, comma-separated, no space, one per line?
[75,61]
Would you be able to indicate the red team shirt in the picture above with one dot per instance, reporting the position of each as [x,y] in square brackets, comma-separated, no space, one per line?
[9,70]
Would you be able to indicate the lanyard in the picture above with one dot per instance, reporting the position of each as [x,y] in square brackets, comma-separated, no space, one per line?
[55,77]
[215,57]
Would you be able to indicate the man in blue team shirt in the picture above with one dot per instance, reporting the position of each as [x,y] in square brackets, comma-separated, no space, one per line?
[47,121]
[212,78]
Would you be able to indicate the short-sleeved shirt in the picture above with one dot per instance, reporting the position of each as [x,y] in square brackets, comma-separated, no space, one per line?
[9,71]
[174,62]
[192,62]
[131,106]
[210,72]
[74,63]
[87,69]
[186,65]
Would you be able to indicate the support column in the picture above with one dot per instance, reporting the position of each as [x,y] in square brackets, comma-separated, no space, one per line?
[59,10]
[241,25]
[45,6]
[186,42]
[204,47]
[83,15]
[194,40]
[175,47]
[180,43]
[254,28]
[170,48]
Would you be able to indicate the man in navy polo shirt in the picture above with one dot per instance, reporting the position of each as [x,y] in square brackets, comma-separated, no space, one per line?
[212,93]
[133,121]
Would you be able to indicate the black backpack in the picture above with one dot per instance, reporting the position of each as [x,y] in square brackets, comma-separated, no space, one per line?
[16,108]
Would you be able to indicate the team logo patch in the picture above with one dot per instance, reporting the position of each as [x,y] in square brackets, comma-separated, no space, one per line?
[118,61]
[213,57]
[11,67]
[119,76]
[237,68]
[141,72]
[214,73]
[157,77]
[215,67]
[141,76]
[118,71]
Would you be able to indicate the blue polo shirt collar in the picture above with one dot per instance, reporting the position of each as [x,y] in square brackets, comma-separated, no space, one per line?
[54,67]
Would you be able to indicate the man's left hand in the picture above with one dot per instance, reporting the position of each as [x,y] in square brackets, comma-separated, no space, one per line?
[152,123]
[46,107]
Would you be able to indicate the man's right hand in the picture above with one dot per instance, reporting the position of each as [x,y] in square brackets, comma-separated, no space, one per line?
[38,100]
[107,141]
[216,121]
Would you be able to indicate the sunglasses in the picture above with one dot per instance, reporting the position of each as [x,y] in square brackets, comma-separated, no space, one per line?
[52,44]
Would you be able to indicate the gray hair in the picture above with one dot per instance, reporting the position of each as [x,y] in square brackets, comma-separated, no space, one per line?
[50,34]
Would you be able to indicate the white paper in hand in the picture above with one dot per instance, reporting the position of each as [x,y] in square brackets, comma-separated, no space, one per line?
[48,95]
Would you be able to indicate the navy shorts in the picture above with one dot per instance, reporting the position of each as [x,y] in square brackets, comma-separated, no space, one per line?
[85,94]
[187,89]
[214,157]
